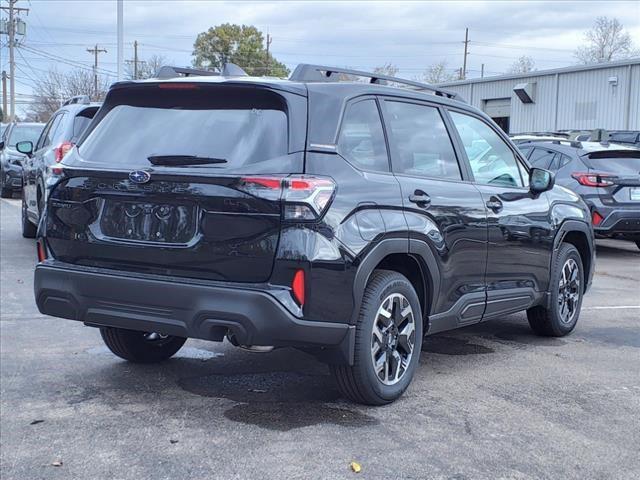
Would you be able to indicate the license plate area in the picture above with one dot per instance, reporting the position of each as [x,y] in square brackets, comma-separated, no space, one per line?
[148,222]
[634,194]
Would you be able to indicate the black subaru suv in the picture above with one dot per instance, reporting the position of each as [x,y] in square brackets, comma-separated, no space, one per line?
[347,219]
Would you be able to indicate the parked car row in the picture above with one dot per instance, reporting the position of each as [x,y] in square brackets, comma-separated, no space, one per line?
[605,175]
[11,159]
[40,156]
[346,219]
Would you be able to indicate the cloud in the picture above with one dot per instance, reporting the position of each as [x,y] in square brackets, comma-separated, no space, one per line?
[412,35]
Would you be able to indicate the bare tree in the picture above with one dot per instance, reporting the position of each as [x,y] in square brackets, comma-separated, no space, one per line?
[524,64]
[147,68]
[438,73]
[387,69]
[606,41]
[52,89]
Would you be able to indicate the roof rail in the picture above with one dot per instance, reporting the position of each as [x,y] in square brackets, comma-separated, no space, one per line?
[83,99]
[321,73]
[571,143]
[229,70]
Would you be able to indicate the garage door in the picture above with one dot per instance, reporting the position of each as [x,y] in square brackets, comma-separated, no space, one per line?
[498,107]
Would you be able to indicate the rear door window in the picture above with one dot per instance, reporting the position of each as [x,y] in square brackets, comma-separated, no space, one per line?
[361,140]
[49,134]
[241,127]
[541,157]
[422,144]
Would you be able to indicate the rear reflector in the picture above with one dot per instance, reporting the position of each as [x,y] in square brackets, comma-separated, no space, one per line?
[297,287]
[42,251]
[596,218]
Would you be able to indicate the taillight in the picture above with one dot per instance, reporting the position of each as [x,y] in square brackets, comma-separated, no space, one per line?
[61,150]
[305,198]
[42,251]
[297,287]
[596,218]
[593,179]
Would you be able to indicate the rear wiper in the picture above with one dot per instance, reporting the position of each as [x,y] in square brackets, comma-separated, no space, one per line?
[177,160]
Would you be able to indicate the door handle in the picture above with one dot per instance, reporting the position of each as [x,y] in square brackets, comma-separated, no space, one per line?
[494,204]
[420,198]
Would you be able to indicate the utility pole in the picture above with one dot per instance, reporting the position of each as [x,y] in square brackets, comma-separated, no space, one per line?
[95,51]
[4,94]
[466,52]
[482,71]
[135,60]
[11,31]
[269,40]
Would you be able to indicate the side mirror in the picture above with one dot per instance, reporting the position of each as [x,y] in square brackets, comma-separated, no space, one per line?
[541,180]
[25,147]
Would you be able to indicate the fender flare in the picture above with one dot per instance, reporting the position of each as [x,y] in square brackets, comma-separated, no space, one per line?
[575,226]
[419,250]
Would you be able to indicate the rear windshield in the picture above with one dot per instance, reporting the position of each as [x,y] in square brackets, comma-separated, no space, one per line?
[623,137]
[24,133]
[627,164]
[242,126]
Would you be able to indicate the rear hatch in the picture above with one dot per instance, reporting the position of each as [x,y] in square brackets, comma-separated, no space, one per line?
[176,178]
[619,175]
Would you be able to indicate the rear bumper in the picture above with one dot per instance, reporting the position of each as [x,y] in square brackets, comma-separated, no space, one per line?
[623,223]
[254,317]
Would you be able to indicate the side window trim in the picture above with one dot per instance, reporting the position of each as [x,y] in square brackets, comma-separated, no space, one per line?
[391,147]
[521,162]
[349,103]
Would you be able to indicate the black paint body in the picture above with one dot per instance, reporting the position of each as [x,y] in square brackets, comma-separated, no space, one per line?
[473,263]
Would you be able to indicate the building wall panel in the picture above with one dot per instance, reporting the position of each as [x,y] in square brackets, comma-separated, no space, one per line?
[566,99]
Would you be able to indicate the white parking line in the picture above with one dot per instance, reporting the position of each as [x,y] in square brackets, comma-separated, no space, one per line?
[7,202]
[613,307]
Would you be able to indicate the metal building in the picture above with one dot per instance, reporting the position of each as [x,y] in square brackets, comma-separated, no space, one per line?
[573,98]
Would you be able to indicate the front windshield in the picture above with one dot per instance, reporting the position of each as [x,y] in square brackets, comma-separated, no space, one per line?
[24,133]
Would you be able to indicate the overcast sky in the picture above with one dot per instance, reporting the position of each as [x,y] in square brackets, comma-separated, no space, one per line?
[411,35]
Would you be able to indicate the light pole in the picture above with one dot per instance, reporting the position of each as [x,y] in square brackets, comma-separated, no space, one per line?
[120,40]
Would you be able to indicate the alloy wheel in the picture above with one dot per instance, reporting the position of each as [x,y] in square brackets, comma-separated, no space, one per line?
[569,291]
[393,339]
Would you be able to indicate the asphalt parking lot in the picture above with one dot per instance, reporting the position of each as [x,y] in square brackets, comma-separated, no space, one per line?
[489,401]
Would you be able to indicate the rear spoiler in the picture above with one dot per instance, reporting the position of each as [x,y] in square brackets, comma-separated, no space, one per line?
[613,154]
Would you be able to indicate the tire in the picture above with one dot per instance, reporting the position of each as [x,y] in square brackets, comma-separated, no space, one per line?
[561,315]
[29,230]
[138,347]
[6,192]
[360,383]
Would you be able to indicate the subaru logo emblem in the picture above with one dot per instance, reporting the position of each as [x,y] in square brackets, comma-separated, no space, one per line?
[139,176]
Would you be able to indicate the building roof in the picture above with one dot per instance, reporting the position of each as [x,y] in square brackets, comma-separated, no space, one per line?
[541,73]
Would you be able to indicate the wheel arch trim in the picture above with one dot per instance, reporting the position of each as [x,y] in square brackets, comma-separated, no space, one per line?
[417,249]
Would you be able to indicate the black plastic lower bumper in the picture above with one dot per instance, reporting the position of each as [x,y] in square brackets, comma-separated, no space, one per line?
[102,298]
[620,223]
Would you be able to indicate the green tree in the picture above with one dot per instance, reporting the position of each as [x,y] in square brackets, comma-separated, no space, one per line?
[240,44]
